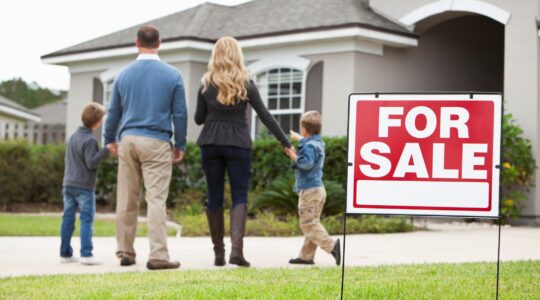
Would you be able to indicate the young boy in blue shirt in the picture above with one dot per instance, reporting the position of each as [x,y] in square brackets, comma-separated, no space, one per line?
[81,162]
[308,166]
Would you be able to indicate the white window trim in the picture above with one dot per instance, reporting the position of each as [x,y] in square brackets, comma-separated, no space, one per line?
[276,62]
[474,6]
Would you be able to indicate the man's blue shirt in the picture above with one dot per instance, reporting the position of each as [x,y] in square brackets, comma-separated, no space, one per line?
[148,99]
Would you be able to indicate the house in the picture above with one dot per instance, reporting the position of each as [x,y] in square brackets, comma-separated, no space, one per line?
[14,119]
[53,122]
[52,113]
[310,54]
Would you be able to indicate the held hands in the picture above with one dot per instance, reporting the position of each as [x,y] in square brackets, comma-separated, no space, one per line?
[291,153]
[295,136]
[178,155]
[113,149]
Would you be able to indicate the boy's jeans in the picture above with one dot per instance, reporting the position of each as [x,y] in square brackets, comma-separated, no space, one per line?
[85,200]
[310,206]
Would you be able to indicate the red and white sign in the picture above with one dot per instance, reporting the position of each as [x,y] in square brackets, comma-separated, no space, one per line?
[424,154]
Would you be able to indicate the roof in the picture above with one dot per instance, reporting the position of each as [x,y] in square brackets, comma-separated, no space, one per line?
[52,113]
[14,109]
[258,18]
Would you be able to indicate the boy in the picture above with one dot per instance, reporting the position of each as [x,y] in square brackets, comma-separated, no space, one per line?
[82,159]
[308,165]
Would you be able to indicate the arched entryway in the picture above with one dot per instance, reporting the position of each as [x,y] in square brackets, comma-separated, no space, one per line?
[457,52]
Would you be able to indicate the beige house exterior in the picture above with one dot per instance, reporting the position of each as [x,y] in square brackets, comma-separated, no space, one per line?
[311,54]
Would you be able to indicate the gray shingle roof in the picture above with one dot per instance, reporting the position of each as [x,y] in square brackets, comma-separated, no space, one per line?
[209,21]
[10,103]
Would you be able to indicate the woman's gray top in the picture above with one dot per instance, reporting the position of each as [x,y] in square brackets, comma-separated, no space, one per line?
[226,125]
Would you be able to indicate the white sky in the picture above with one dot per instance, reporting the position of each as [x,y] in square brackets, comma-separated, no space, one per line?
[32,28]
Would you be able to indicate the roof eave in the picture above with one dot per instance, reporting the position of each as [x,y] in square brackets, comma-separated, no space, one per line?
[360,30]
[17,113]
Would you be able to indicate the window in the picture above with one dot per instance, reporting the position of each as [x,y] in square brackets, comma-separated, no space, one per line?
[281,91]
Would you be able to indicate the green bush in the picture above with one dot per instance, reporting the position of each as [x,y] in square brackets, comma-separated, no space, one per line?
[15,172]
[270,162]
[279,197]
[267,224]
[47,173]
[518,168]
[33,173]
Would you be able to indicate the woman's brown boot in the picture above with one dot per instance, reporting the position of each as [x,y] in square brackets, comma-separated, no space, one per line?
[216,224]
[238,229]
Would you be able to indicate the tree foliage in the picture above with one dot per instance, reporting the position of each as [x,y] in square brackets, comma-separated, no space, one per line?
[29,95]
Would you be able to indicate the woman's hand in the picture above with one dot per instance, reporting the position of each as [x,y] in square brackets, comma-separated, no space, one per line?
[291,153]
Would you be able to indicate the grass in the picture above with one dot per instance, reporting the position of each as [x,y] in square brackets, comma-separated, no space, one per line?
[519,280]
[31,225]
[265,224]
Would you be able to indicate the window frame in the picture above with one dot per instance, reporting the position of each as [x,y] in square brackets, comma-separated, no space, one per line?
[295,63]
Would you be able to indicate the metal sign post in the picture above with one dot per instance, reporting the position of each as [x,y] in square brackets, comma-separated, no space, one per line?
[424,154]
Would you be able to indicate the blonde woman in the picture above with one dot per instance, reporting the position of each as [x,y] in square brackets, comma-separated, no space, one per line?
[225,142]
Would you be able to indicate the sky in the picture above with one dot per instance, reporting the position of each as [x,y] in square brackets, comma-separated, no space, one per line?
[32,28]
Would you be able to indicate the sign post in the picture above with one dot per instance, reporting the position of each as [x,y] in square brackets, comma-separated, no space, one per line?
[435,154]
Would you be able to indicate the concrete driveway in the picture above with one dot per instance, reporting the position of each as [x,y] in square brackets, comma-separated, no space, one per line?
[442,243]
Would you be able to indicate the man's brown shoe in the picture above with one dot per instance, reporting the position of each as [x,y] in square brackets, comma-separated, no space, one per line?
[127,261]
[156,264]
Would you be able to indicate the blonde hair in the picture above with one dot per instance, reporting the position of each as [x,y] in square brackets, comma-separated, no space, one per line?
[92,113]
[311,121]
[227,72]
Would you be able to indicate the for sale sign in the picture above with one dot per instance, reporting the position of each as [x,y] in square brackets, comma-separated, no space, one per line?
[436,154]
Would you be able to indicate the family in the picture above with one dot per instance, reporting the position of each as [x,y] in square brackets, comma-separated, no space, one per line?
[147,110]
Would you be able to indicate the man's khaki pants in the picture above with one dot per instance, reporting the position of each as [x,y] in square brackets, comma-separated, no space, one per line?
[147,161]
[310,206]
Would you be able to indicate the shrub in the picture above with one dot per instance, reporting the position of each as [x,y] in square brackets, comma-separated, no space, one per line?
[267,224]
[269,161]
[15,172]
[47,173]
[518,168]
[280,198]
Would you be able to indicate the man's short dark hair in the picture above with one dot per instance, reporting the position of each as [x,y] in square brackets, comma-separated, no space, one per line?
[148,36]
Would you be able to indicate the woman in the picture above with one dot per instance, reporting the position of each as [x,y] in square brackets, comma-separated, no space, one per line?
[225,142]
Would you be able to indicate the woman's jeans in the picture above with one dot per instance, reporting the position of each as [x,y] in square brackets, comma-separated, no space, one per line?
[85,200]
[237,162]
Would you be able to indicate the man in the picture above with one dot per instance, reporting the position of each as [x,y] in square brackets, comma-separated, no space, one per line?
[147,101]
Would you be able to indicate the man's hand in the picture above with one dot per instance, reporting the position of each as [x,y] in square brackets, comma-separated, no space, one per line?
[113,149]
[177,155]
[295,136]
[291,153]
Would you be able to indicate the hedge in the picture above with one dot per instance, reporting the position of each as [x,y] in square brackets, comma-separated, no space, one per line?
[33,173]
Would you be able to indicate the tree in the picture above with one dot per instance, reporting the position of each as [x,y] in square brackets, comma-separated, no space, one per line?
[29,95]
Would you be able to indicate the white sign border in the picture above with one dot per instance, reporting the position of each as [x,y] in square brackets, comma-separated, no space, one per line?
[465,96]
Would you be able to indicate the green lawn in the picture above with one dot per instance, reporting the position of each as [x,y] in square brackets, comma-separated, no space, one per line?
[30,225]
[519,280]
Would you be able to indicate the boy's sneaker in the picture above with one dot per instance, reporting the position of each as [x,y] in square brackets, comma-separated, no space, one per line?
[67,260]
[336,253]
[299,261]
[90,261]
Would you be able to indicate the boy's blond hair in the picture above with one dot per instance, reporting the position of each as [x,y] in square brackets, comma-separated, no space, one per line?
[92,114]
[311,121]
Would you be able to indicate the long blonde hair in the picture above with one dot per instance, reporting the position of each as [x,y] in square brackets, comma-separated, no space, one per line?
[227,72]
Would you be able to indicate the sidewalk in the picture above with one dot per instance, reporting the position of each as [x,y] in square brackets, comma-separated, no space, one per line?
[443,243]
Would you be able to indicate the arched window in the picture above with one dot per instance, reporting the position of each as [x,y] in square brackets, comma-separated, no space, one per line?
[281,83]
[281,90]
